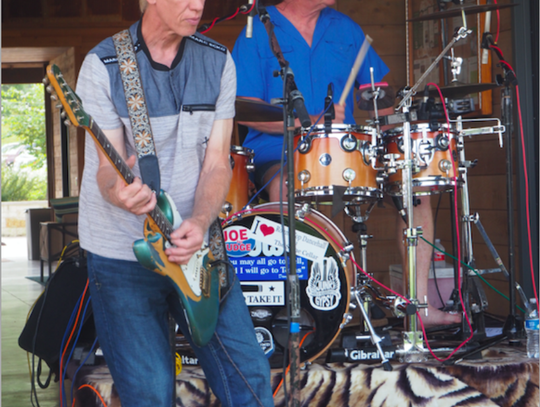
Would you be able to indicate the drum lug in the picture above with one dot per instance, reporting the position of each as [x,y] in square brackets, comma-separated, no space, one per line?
[304,210]
[344,254]
[227,208]
[347,317]
[445,166]
[391,164]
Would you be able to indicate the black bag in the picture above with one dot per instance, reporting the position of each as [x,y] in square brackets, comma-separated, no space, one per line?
[47,325]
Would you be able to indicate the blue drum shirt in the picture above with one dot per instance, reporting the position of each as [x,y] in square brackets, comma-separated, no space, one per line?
[336,42]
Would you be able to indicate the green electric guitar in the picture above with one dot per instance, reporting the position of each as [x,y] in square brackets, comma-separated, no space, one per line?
[197,283]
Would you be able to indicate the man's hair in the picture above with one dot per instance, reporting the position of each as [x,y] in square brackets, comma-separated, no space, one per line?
[142,5]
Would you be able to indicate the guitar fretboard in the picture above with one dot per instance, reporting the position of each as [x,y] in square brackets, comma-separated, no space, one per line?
[116,159]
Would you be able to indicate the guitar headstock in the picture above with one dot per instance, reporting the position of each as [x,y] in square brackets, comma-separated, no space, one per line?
[68,98]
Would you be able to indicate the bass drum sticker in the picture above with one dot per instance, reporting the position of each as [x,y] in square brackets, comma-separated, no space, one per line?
[323,289]
[265,339]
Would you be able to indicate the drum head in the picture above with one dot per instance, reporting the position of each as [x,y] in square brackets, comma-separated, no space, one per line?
[254,246]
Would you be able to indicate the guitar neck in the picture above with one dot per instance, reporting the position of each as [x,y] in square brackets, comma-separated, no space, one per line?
[156,215]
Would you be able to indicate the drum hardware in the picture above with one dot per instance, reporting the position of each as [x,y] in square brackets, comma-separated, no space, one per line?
[455,65]
[458,90]
[433,150]
[460,10]
[360,296]
[383,92]
[249,110]
[358,212]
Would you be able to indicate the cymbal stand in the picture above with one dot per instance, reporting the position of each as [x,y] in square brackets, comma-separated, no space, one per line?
[413,347]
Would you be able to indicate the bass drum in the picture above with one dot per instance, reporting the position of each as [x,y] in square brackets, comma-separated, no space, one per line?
[255,247]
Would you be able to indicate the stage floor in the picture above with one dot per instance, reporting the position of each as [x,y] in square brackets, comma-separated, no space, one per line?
[504,376]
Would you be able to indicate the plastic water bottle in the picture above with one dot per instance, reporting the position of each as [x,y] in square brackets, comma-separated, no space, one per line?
[531,327]
[438,254]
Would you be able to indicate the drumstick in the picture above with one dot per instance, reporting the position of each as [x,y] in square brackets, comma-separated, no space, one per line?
[356,67]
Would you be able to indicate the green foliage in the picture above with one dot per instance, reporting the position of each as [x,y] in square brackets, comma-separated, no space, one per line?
[20,185]
[23,119]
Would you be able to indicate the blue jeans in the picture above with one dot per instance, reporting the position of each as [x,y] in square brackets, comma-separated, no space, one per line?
[131,305]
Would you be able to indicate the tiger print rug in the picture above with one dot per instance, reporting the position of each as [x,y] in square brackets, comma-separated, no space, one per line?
[501,378]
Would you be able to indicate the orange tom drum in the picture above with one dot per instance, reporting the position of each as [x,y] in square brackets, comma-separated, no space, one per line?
[242,164]
[433,151]
[343,157]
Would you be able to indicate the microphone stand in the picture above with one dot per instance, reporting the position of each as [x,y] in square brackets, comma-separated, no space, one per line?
[292,101]
[513,327]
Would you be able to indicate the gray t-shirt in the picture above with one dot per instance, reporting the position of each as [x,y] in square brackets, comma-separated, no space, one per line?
[183,103]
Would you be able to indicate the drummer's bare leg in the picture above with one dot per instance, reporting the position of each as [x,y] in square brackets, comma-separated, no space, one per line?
[273,188]
[423,216]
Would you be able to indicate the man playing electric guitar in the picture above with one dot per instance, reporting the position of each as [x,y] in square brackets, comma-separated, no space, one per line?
[189,84]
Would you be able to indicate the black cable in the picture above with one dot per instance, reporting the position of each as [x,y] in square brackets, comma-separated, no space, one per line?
[433,251]
[33,390]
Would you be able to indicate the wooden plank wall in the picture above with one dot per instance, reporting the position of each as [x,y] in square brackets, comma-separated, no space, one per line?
[81,24]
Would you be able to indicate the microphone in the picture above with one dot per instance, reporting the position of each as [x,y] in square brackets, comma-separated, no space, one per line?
[249,26]
[330,113]
[300,108]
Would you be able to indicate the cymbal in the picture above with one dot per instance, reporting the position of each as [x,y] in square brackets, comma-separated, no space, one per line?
[457,89]
[456,11]
[248,110]
[386,98]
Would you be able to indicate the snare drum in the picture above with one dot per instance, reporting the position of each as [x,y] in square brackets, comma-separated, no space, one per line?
[241,159]
[432,151]
[255,247]
[340,158]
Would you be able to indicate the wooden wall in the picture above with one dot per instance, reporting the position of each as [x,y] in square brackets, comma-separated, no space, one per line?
[78,25]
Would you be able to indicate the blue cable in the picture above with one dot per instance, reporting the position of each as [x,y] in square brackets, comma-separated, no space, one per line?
[79,368]
[73,347]
[73,313]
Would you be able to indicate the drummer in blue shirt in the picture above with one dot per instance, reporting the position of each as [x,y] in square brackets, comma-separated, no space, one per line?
[321,45]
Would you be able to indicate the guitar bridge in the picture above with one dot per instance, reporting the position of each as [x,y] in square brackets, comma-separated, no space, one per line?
[205,279]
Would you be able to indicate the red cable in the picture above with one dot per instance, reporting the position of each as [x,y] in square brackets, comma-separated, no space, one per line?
[498,24]
[97,392]
[458,239]
[289,366]
[526,197]
[211,25]
[498,49]
[228,18]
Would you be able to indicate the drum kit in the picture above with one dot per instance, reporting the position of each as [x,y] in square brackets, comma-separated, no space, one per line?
[352,167]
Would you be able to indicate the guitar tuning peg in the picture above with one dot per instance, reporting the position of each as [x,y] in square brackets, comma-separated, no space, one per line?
[54,97]
[63,114]
[67,123]
[46,80]
[49,89]
[58,105]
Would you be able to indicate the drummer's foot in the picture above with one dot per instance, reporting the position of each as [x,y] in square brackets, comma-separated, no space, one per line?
[436,317]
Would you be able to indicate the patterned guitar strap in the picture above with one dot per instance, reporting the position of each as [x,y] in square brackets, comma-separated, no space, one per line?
[146,152]
[137,109]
